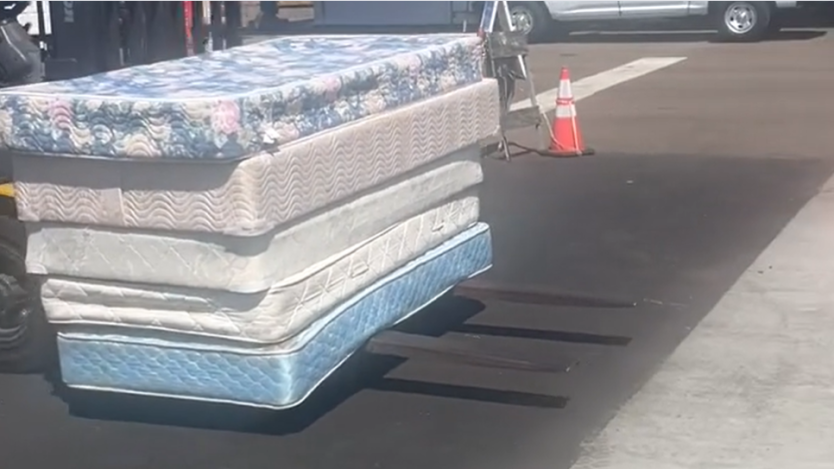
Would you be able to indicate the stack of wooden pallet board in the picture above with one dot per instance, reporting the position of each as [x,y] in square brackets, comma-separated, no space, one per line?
[232,227]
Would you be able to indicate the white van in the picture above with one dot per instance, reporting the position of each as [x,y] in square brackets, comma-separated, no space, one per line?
[734,21]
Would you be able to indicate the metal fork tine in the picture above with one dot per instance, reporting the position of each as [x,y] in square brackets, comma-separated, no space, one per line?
[485,291]
[414,346]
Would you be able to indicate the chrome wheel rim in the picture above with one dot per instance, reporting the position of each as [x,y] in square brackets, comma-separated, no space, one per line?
[740,18]
[522,20]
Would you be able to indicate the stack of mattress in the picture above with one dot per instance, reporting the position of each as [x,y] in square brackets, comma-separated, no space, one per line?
[232,227]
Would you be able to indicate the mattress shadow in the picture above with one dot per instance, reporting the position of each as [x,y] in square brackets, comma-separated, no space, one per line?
[681,232]
[361,372]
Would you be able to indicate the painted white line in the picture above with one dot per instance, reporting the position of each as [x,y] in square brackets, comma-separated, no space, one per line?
[593,84]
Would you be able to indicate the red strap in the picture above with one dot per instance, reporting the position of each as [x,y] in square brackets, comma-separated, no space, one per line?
[188,13]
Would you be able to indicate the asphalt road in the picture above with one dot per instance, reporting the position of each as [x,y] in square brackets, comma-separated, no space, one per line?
[699,166]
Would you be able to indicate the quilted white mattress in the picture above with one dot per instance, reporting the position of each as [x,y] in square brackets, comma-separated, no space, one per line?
[267,317]
[251,197]
[277,376]
[245,265]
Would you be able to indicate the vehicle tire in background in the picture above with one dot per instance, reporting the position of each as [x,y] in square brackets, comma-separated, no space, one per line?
[532,18]
[743,21]
[775,26]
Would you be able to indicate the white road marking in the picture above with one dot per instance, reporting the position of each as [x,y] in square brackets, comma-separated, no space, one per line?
[593,84]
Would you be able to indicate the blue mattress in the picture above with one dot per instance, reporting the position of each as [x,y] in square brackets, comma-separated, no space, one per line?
[234,103]
[146,362]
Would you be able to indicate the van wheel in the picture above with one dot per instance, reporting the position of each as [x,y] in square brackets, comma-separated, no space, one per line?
[743,21]
[531,18]
[774,27]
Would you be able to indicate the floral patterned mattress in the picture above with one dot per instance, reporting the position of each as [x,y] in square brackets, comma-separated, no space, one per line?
[232,104]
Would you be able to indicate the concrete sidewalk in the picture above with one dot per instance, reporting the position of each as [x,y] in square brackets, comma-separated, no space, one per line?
[753,386]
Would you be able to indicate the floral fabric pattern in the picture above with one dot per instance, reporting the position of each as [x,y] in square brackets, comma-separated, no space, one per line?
[231,104]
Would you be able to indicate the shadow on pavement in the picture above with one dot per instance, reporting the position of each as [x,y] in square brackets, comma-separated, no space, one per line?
[675,231]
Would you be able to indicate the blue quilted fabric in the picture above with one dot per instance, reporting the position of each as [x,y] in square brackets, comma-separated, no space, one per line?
[232,104]
[138,363]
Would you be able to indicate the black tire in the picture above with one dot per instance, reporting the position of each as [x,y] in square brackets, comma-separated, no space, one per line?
[27,343]
[774,27]
[541,24]
[760,15]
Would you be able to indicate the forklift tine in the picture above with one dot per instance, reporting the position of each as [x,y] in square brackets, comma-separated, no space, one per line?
[399,344]
[485,291]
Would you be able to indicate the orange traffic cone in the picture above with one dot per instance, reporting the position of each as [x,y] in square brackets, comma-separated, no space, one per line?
[565,136]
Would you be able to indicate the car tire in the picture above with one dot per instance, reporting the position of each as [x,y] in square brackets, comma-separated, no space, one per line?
[774,27]
[533,18]
[743,21]
[27,343]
